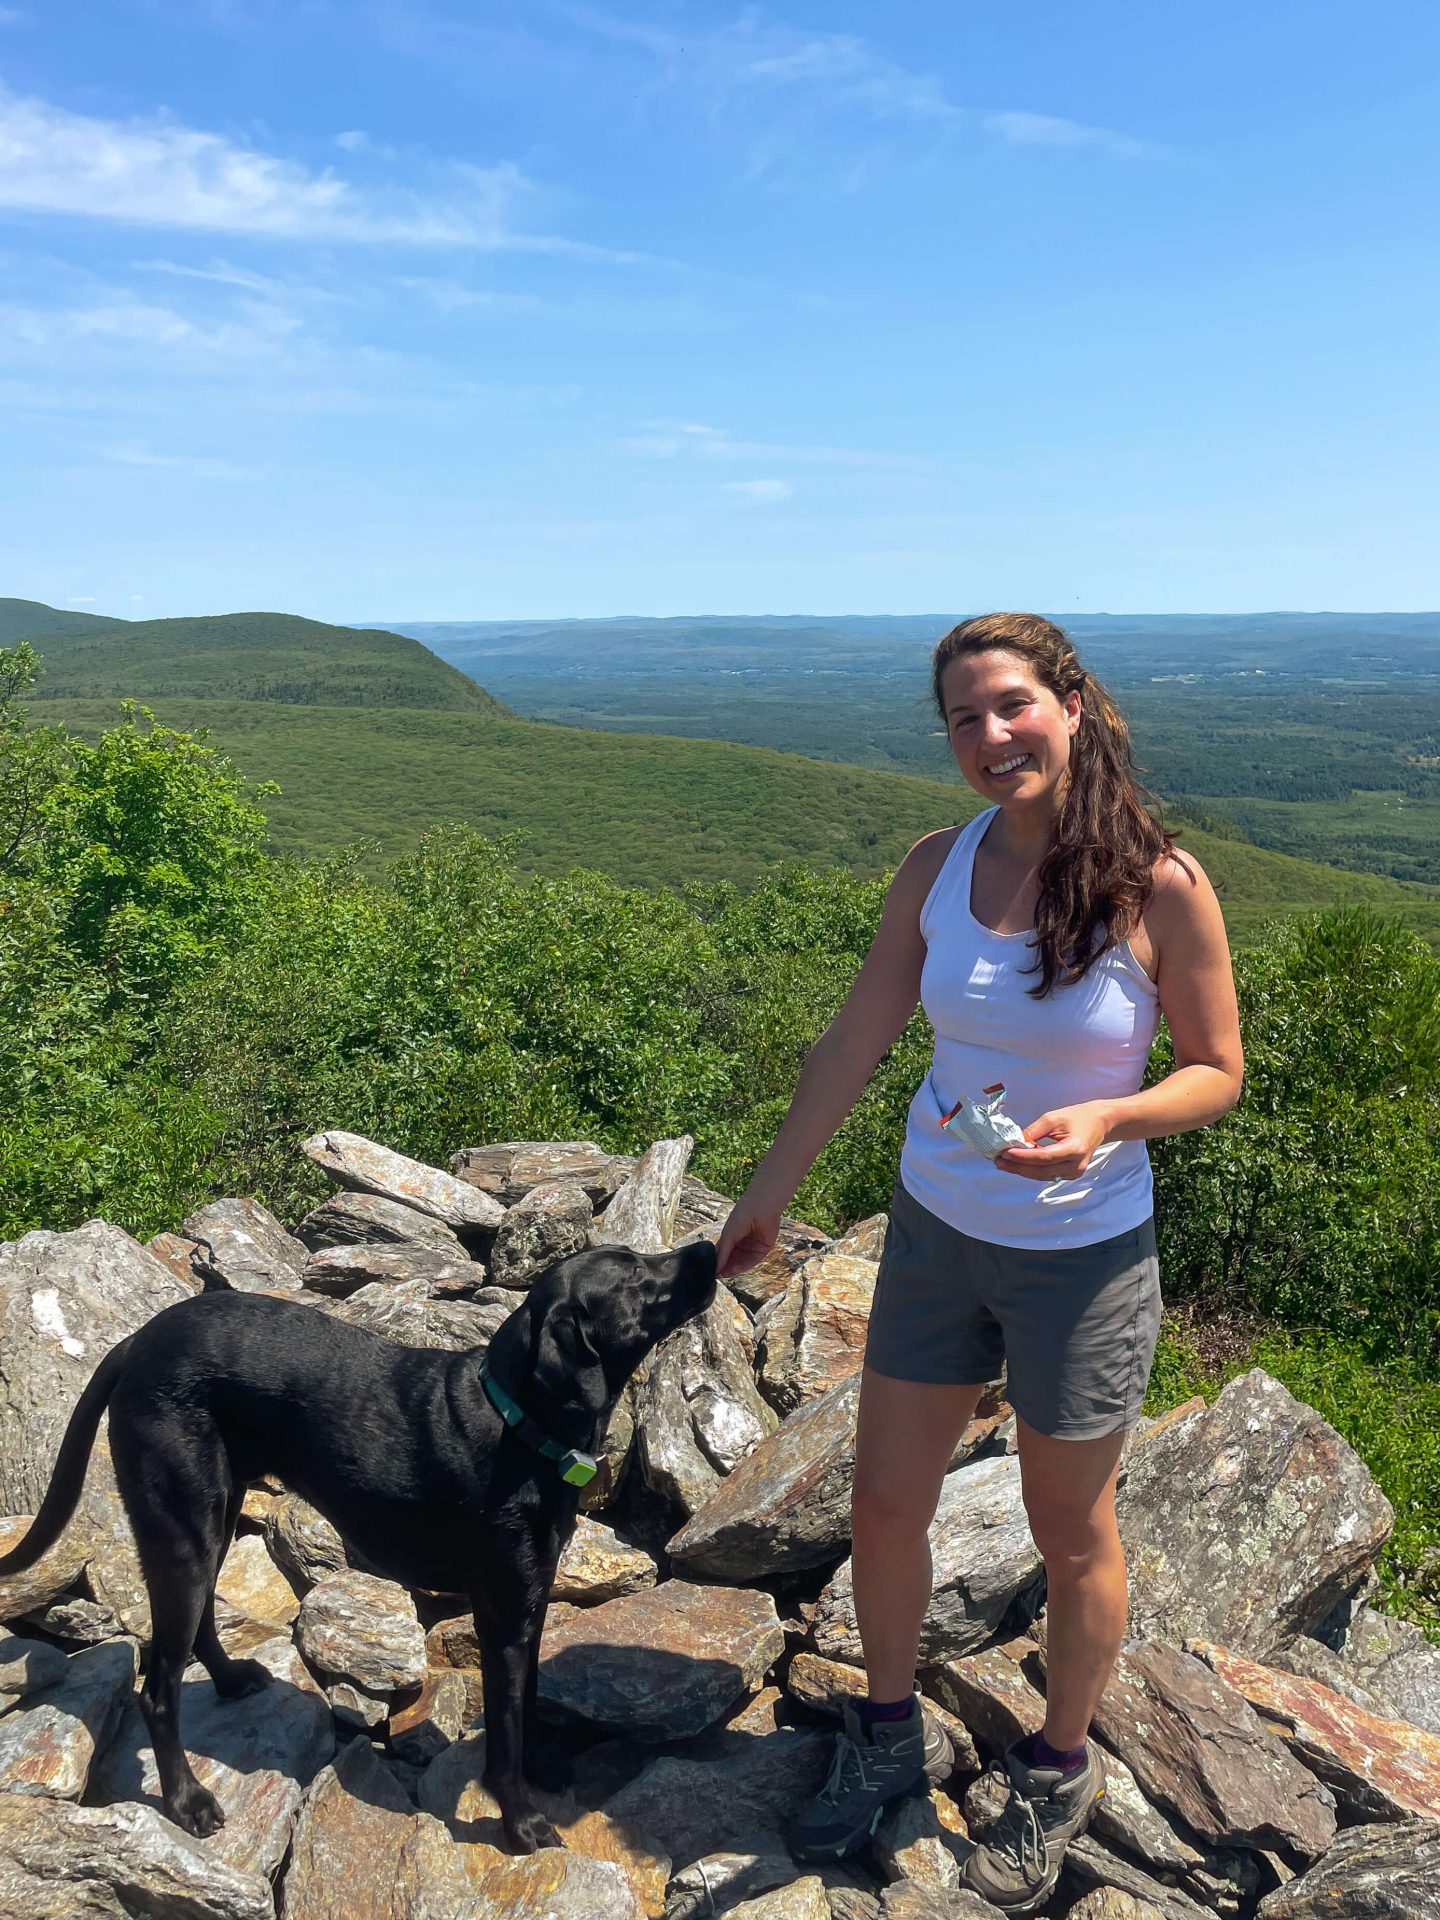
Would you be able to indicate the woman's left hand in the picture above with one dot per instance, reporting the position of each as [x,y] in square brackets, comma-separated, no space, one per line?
[1062,1142]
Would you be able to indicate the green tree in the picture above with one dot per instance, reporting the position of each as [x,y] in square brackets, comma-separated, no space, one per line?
[31,761]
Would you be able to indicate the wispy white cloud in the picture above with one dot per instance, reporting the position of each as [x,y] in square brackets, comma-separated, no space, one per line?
[157,172]
[677,439]
[120,318]
[219,271]
[198,466]
[1048,130]
[760,492]
[453,296]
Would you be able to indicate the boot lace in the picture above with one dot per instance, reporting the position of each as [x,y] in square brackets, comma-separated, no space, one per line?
[1019,1837]
[848,1758]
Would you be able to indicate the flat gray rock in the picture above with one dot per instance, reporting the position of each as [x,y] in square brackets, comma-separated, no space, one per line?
[983,1556]
[1202,1754]
[410,1315]
[65,1300]
[341,1271]
[1281,1519]
[256,1755]
[61,1862]
[367,1219]
[28,1665]
[49,1745]
[243,1246]
[786,1505]
[355,1162]
[1380,1872]
[509,1169]
[354,1626]
[659,1665]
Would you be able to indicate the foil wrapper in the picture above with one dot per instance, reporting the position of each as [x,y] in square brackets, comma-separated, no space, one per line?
[984,1123]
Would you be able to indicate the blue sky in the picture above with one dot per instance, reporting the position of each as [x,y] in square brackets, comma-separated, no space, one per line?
[413,309]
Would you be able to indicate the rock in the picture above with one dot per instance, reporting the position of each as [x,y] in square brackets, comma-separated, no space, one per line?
[824,1686]
[553,1220]
[341,1271]
[51,1576]
[242,1245]
[178,1252]
[642,1214]
[361,1628]
[365,1219]
[362,1851]
[597,1566]
[60,1862]
[75,1622]
[113,1572]
[1200,1753]
[420,1727]
[558,1885]
[599,1837]
[613,1456]
[65,1300]
[49,1745]
[512,1168]
[866,1239]
[453,1789]
[907,1901]
[407,1313]
[720,1881]
[1092,1866]
[692,1808]
[1378,1769]
[991,1694]
[27,1666]
[303,1544]
[662,1664]
[255,1754]
[1396,1658]
[1283,1519]
[984,1558]
[1371,1873]
[697,1411]
[251,1581]
[802,1900]
[812,1335]
[922,1838]
[363,1166]
[1109,1903]
[786,1506]
[1313,1660]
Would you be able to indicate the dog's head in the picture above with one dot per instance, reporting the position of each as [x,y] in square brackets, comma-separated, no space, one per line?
[589,1320]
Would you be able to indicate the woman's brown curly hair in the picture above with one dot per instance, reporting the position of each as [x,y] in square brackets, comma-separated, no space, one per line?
[1099,870]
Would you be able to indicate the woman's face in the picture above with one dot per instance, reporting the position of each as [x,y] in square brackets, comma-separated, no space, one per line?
[1009,733]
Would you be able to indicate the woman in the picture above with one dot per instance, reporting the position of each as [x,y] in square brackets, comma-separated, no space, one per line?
[1045,939]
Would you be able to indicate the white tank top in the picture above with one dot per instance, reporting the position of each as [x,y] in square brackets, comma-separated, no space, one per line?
[1089,1041]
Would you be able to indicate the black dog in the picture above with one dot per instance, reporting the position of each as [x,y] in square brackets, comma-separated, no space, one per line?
[403,1449]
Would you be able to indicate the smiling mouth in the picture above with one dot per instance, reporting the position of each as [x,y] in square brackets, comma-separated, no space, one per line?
[1017,764]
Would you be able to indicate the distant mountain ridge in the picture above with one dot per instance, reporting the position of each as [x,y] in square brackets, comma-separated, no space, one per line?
[29,619]
[270,657]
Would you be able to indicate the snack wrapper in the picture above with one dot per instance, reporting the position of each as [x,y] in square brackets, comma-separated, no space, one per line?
[984,1123]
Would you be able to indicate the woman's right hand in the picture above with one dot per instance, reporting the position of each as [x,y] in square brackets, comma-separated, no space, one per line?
[748,1235]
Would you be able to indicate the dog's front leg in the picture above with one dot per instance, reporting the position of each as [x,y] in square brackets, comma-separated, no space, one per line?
[506,1645]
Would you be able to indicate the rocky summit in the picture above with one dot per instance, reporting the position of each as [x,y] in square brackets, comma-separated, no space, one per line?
[1271,1741]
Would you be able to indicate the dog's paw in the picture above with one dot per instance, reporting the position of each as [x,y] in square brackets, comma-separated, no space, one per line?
[550,1769]
[531,1831]
[196,1810]
[240,1678]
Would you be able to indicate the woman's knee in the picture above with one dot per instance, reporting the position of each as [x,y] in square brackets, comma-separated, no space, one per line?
[882,1504]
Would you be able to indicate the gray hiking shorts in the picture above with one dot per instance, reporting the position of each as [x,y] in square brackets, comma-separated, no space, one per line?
[1074,1327]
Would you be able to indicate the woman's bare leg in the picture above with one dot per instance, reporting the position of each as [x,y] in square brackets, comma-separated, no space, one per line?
[1069,1490]
[907,1432]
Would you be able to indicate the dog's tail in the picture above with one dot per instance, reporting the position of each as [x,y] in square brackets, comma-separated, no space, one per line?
[63,1493]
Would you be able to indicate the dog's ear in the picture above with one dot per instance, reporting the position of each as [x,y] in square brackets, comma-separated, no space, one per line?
[564,1364]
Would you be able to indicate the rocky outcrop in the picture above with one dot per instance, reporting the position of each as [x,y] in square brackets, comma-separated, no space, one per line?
[1267,1736]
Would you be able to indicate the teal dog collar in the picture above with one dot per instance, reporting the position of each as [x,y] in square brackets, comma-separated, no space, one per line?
[576,1469]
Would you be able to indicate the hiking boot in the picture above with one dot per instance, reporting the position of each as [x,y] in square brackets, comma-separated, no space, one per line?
[870,1768]
[1018,1863]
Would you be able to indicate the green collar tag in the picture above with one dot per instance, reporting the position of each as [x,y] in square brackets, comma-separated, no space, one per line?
[577,1469]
